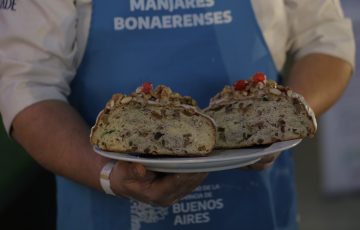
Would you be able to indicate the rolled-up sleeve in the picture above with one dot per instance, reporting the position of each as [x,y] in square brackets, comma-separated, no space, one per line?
[37,51]
[319,27]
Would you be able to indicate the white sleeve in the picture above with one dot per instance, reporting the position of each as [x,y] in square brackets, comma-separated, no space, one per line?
[319,26]
[37,52]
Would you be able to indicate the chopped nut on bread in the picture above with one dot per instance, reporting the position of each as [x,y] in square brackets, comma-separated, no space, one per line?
[259,111]
[154,122]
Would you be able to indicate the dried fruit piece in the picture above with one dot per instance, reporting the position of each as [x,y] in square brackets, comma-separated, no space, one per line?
[258,77]
[146,88]
[240,85]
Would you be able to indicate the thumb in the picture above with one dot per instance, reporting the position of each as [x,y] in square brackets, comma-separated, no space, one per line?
[138,171]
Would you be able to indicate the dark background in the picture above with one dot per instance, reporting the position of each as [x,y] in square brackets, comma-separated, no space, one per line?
[27,191]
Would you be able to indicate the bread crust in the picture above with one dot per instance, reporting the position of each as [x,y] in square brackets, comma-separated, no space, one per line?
[261,113]
[135,124]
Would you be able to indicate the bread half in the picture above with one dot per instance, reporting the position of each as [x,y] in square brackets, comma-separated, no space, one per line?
[259,112]
[154,122]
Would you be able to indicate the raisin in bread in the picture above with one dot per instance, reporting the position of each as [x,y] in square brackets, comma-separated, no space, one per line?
[259,111]
[155,122]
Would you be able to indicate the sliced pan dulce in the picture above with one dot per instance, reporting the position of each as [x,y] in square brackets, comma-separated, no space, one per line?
[259,111]
[154,122]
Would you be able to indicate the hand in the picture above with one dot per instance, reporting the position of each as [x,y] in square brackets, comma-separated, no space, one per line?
[265,162]
[133,181]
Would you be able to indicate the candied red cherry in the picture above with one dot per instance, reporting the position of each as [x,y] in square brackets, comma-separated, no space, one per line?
[258,77]
[146,88]
[240,85]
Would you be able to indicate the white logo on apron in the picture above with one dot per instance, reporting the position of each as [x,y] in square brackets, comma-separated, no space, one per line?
[145,213]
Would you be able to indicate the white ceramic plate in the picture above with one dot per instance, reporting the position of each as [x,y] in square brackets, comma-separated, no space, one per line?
[215,161]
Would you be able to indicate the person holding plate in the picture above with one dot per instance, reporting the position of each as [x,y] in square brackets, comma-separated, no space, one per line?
[60,61]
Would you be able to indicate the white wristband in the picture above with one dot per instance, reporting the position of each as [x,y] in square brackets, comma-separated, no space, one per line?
[105,177]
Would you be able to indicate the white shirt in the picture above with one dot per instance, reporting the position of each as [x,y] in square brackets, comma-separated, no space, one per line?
[42,43]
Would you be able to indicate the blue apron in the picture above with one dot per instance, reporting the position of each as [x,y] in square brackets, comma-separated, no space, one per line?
[195,47]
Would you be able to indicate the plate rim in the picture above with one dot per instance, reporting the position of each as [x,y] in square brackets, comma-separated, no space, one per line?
[202,169]
[283,145]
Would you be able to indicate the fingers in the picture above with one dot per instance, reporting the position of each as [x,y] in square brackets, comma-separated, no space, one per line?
[260,166]
[264,163]
[134,181]
[125,174]
[133,172]
[173,187]
[170,188]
